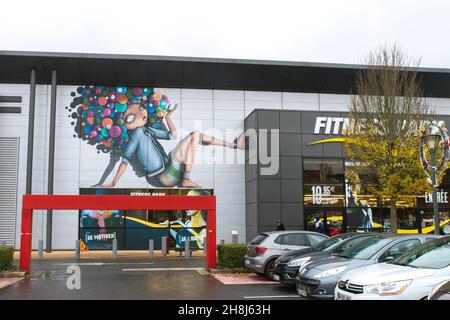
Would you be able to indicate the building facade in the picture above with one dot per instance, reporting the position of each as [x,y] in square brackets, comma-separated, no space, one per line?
[94,101]
[311,181]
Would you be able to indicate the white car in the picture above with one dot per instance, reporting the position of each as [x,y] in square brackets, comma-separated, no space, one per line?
[409,277]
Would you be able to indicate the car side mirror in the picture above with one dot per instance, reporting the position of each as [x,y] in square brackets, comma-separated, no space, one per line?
[388,258]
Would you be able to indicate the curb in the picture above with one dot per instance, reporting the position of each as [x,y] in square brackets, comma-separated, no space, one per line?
[12,274]
[237,270]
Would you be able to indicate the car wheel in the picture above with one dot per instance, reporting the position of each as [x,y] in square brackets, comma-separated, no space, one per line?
[269,269]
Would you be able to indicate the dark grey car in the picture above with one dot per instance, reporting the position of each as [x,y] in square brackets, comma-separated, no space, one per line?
[286,267]
[318,279]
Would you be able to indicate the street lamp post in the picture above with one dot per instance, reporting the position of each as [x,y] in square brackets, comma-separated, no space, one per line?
[434,186]
[435,139]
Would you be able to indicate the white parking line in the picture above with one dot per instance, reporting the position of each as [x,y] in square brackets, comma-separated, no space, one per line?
[271,297]
[101,263]
[80,264]
[164,269]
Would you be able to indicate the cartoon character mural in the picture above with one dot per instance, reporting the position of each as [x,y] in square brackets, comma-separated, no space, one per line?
[193,224]
[128,123]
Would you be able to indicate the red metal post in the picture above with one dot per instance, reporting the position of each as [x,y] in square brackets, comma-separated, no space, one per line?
[25,240]
[211,239]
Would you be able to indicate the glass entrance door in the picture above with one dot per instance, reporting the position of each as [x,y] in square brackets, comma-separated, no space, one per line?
[328,221]
[427,221]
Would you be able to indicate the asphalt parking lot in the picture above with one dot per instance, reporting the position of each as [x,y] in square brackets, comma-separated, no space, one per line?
[162,279]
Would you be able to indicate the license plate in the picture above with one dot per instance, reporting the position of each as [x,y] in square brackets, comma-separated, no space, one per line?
[276,277]
[341,296]
[247,261]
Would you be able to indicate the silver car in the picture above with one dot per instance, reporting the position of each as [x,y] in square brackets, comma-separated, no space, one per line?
[318,279]
[268,246]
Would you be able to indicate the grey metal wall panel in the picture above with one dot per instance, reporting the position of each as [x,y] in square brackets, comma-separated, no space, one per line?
[251,172]
[290,144]
[332,149]
[269,214]
[9,163]
[309,121]
[268,119]
[290,122]
[251,214]
[292,191]
[269,190]
[291,167]
[251,191]
[292,215]
[309,150]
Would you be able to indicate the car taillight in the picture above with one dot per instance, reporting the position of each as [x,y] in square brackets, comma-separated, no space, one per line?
[260,250]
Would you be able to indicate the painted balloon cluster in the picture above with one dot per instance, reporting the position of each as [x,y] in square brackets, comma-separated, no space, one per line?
[98,113]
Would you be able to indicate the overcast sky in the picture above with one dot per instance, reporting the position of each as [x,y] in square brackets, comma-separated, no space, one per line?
[316,30]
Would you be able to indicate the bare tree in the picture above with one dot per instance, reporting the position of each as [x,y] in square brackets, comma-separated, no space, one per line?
[383,130]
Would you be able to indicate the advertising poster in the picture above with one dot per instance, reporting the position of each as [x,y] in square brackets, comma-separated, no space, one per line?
[134,228]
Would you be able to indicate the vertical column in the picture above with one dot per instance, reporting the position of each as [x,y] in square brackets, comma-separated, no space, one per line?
[25,240]
[51,159]
[31,132]
[151,246]
[211,239]
[77,250]
[164,246]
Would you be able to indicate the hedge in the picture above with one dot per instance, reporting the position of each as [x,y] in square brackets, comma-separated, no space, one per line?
[6,258]
[231,255]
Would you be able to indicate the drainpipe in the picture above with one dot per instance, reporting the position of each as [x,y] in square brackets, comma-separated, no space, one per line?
[32,104]
[51,160]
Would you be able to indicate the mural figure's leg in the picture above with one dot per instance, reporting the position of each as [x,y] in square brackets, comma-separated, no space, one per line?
[113,159]
[185,153]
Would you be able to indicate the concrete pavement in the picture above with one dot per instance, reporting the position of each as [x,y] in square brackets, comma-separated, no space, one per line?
[136,278]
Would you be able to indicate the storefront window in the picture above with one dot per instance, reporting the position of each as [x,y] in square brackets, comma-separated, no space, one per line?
[329,195]
[323,171]
[133,228]
[407,218]
[402,202]
[359,194]
[328,221]
[323,182]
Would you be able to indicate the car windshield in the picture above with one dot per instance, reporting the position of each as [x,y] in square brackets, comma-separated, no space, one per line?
[329,242]
[431,255]
[366,249]
[259,238]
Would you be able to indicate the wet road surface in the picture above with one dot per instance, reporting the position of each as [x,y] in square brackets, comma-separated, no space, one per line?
[164,279]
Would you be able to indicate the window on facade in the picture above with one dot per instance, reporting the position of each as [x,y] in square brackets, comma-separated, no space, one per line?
[323,182]
[323,171]
[360,195]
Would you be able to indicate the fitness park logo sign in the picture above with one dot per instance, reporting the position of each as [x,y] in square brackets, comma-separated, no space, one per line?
[336,125]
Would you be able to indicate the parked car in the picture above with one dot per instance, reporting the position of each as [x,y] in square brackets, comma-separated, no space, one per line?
[319,279]
[286,267]
[263,250]
[409,277]
[440,292]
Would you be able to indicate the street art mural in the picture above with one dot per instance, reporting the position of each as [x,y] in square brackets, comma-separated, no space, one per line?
[130,124]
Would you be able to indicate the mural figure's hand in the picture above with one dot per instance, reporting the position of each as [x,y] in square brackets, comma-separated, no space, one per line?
[171,109]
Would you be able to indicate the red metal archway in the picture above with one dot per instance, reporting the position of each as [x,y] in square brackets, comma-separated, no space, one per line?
[118,202]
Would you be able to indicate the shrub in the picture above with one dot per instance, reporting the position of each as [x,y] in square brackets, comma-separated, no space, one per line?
[231,255]
[6,258]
